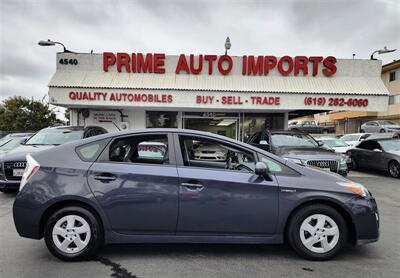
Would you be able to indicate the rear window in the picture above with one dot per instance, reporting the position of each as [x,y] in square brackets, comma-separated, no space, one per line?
[89,152]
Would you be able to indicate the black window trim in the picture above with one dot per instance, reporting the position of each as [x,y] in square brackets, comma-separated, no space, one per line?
[104,156]
[178,151]
[256,154]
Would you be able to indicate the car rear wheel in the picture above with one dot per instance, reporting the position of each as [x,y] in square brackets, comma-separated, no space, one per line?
[73,234]
[317,232]
[382,131]
[394,169]
[362,131]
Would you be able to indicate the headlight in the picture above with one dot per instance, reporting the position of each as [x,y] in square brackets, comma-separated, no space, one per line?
[296,160]
[356,188]
[344,159]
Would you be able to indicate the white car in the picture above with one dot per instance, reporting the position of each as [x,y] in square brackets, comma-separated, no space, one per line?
[210,152]
[335,144]
[353,139]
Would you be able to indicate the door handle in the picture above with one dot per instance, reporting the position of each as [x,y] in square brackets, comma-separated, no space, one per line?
[105,177]
[192,186]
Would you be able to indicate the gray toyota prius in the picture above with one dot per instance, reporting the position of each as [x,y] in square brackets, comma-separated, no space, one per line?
[156,186]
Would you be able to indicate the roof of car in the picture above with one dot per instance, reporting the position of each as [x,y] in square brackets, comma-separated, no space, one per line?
[74,127]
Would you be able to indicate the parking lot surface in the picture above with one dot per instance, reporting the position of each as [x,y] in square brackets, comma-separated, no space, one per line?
[21,257]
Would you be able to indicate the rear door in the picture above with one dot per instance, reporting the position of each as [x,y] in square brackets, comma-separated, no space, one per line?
[223,197]
[136,183]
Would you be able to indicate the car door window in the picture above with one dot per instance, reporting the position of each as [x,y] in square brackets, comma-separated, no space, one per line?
[149,149]
[206,153]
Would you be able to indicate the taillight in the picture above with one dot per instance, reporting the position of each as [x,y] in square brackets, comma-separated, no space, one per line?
[32,166]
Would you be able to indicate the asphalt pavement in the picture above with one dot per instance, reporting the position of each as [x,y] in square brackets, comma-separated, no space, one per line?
[21,257]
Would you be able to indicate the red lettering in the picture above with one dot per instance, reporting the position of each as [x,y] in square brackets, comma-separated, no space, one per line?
[253,67]
[289,61]
[199,67]
[300,63]
[329,63]
[269,64]
[72,95]
[144,64]
[221,60]
[108,60]
[210,59]
[182,65]
[315,60]
[159,63]
[123,59]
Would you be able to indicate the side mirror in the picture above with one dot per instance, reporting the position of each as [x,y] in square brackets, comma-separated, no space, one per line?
[261,169]
[24,141]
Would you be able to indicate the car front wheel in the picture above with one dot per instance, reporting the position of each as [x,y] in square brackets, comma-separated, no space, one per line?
[394,169]
[73,234]
[317,232]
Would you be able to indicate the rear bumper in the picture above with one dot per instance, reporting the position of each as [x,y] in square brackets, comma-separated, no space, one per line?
[26,219]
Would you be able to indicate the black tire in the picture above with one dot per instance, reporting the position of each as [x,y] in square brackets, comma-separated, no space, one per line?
[393,172]
[293,231]
[96,234]
[382,131]
[362,131]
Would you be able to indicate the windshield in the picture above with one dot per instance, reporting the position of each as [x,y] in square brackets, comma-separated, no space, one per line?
[301,140]
[390,145]
[387,123]
[55,136]
[11,144]
[333,143]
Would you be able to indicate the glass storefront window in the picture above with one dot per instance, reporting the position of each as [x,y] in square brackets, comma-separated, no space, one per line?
[254,122]
[161,119]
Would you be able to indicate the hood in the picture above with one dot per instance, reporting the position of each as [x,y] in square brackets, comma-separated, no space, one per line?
[342,149]
[306,153]
[394,152]
[19,153]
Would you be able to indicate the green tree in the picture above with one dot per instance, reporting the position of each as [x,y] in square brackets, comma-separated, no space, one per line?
[22,114]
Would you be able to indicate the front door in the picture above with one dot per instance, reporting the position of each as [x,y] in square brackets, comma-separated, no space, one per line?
[221,194]
[136,183]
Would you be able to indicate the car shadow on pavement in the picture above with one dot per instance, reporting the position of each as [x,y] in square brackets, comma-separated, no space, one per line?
[250,251]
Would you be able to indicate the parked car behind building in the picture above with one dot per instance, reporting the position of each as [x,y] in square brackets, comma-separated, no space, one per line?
[300,148]
[12,164]
[380,126]
[311,126]
[353,139]
[379,154]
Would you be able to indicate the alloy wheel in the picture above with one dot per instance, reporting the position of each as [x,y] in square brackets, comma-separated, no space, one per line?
[394,169]
[319,233]
[71,234]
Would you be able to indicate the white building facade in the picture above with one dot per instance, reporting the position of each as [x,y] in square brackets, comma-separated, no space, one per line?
[229,95]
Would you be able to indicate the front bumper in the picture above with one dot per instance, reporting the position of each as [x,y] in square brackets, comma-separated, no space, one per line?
[366,219]
[13,185]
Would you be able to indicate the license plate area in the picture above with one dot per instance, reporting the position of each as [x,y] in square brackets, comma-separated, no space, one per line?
[18,172]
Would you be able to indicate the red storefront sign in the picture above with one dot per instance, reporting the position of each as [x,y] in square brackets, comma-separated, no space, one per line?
[250,65]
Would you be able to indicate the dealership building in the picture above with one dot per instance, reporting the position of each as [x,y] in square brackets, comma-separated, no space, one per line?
[230,95]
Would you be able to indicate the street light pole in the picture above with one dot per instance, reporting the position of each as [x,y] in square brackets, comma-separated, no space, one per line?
[382,51]
[51,43]
[227,45]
